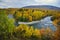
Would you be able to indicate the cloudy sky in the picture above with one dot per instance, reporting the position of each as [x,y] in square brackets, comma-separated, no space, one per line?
[22,3]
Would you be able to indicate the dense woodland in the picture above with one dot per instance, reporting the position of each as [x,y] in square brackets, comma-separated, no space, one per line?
[8,30]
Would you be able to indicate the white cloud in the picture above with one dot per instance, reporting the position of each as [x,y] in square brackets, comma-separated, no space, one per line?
[46,1]
[8,1]
[11,1]
[21,3]
[5,5]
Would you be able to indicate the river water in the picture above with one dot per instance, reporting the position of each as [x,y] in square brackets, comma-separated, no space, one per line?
[44,23]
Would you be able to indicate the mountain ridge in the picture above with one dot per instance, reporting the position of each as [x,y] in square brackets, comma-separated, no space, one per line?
[43,6]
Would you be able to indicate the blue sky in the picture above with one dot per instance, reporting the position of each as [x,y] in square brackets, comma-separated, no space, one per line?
[21,3]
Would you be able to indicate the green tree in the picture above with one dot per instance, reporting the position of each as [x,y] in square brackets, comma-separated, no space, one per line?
[6,25]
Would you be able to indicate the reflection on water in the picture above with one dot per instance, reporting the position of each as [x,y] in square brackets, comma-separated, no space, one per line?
[46,22]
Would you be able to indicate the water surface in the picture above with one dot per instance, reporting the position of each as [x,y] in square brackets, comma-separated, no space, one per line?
[44,23]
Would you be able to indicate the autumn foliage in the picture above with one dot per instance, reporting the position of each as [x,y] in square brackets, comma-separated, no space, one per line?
[10,31]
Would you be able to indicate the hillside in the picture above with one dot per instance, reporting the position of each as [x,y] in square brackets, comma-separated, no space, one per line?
[43,7]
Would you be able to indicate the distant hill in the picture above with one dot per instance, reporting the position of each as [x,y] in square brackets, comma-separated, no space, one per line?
[43,7]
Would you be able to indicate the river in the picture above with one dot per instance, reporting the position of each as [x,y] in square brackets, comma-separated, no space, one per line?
[44,23]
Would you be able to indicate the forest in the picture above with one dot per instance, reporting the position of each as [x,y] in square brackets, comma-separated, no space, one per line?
[9,31]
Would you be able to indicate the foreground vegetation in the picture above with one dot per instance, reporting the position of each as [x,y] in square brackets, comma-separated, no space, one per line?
[8,31]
